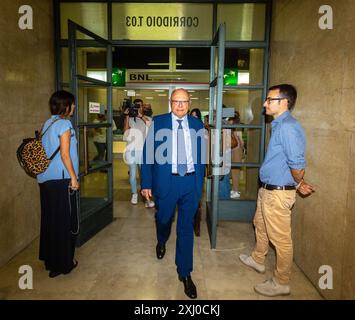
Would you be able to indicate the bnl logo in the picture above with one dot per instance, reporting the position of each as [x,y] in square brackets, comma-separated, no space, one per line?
[139,77]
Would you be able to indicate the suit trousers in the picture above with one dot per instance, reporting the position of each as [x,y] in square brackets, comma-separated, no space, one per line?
[272,223]
[183,195]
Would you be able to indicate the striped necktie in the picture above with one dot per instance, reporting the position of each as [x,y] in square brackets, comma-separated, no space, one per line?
[181,151]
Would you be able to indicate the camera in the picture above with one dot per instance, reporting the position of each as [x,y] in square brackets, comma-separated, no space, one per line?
[148,112]
[132,108]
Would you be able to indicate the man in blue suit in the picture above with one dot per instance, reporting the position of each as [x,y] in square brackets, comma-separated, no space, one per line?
[173,171]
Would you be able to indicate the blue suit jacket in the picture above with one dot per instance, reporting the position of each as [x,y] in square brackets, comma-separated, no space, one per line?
[155,173]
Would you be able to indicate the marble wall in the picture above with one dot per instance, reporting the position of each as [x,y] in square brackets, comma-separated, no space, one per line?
[26,82]
[321,64]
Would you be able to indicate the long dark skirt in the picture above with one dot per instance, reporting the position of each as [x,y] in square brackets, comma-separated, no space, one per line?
[58,223]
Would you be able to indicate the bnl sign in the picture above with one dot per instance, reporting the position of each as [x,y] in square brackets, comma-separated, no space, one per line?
[141,77]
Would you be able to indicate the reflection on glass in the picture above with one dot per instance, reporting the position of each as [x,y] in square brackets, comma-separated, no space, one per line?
[88,60]
[93,192]
[244,183]
[248,64]
[251,138]
[91,59]
[248,103]
[216,60]
[91,101]
[65,64]
[92,16]
[97,152]
[244,22]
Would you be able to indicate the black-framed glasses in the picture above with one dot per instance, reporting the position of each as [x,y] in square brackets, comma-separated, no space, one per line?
[180,102]
[268,99]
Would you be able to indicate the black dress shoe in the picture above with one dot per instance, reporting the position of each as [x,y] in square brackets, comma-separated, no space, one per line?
[53,274]
[160,250]
[189,287]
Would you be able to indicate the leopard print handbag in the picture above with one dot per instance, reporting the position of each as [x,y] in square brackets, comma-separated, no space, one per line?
[32,156]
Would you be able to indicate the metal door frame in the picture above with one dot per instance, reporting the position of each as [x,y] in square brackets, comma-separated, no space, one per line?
[103,215]
[216,101]
[217,209]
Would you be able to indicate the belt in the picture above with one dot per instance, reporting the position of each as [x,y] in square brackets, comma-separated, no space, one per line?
[273,187]
[186,174]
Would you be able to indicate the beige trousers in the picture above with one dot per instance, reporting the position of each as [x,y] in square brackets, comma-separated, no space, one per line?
[272,222]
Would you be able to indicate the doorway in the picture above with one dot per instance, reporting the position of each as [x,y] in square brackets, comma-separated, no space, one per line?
[157,96]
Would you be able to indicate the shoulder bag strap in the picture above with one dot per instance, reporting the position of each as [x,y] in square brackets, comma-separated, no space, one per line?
[54,153]
[42,134]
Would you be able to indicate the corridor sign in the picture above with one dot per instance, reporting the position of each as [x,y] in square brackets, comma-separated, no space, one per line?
[162,21]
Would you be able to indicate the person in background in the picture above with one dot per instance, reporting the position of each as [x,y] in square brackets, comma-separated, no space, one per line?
[135,132]
[205,122]
[197,222]
[196,113]
[237,155]
[58,184]
[100,139]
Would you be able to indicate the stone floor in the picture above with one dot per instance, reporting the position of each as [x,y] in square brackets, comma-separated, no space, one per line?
[120,263]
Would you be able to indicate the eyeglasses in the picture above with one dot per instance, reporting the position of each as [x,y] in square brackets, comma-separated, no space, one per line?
[268,99]
[180,102]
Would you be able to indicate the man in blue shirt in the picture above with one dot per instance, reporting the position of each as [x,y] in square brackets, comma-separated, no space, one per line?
[281,175]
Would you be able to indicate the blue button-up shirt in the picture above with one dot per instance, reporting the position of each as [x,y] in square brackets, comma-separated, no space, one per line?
[286,150]
[50,141]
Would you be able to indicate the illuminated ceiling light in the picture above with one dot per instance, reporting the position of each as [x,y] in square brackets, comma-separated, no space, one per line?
[162,64]
[149,98]
[195,98]
[162,95]
[158,63]
[98,75]
[191,91]
[207,98]
[243,78]
[159,90]
[167,75]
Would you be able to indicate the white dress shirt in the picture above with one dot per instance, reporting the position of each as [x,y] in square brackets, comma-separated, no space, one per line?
[188,147]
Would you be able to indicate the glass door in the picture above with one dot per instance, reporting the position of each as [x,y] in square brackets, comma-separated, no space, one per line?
[93,124]
[215,132]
